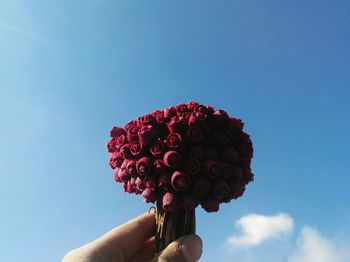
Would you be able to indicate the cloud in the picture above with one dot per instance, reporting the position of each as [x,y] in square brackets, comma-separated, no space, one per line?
[312,246]
[258,228]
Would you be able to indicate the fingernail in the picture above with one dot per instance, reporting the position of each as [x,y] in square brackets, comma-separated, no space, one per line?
[192,248]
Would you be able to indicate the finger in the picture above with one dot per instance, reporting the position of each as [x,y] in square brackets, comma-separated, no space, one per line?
[128,237]
[145,253]
[185,249]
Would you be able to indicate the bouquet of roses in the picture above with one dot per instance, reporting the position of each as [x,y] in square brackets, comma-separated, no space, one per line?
[181,157]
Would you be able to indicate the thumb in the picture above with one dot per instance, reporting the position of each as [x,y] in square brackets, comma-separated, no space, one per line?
[185,249]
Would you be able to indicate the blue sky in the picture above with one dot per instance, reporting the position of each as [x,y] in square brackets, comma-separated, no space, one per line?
[70,70]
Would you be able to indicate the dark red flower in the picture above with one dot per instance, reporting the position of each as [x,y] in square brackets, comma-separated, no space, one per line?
[191,105]
[112,145]
[139,182]
[220,189]
[181,108]
[149,196]
[132,134]
[157,148]
[131,167]
[210,204]
[169,112]
[194,134]
[159,167]
[148,119]
[174,141]
[192,166]
[177,125]
[211,169]
[197,151]
[136,149]
[147,135]
[180,181]
[165,182]
[170,202]
[115,160]
[120,141]
[201,186]
[197,119]
[125,151]
[226,170]
[172,159]
[231,155]
[221,139]
[117,131]
[144,166]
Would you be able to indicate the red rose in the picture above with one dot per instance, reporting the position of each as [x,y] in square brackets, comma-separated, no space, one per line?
[148,119]
[210,204]
[231,155]
[144,166]
[211,169]
[117,131]
[196,119]
[194,134]
[201,109]
[132,134]
[159,167]
[172,159]
[220,118]
[169,112]
[147,134]
[123,174]
[192,166]
[180,181]
[131,124]
[170,202]
[131,167]
[149,196]
[181,108]
[116,175]
[201,186]
[140,183]
[157,148]
[227,170]
[165,182]
[174,141]
[237,173]
[220,189]
[120,141]
[136,149]
[115,160]
[221,139]
[197,152]
[177,125]
[125,151]
[112,145]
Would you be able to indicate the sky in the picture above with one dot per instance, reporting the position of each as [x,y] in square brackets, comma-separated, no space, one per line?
[70,70]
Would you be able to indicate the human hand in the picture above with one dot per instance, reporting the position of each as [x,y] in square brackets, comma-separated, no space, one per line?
[133,241]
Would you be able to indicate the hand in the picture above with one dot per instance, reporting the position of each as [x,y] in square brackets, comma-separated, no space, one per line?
[133,241]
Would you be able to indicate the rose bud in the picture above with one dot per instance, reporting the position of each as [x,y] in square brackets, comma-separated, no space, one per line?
[181,108]
[197,119]
[226,170]
[115,160]
[112,145]
[148,119]
[117,131]
[136,149]
[131,124]
[159,167]
[147,134]
[170,203]
[231,155]
[169,112]
[120,141]
[149,196]
[125,151]
[220,189]
[174,141]
[177,125]
[201,186]
[197,152]
[189,202]
[211,153]
[201,109]
[211,169]
[116,175]
[192,166]
[221,139]
[180,181]
[165,182]
[123,174]
[194,134]
[131,167]
[157,148]
[144,166]
[191,105]
[210,204]
[172,159]
[140,183]
[132,134]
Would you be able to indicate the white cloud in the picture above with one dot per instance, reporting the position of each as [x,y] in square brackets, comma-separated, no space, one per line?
[257,228]
[312,246]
